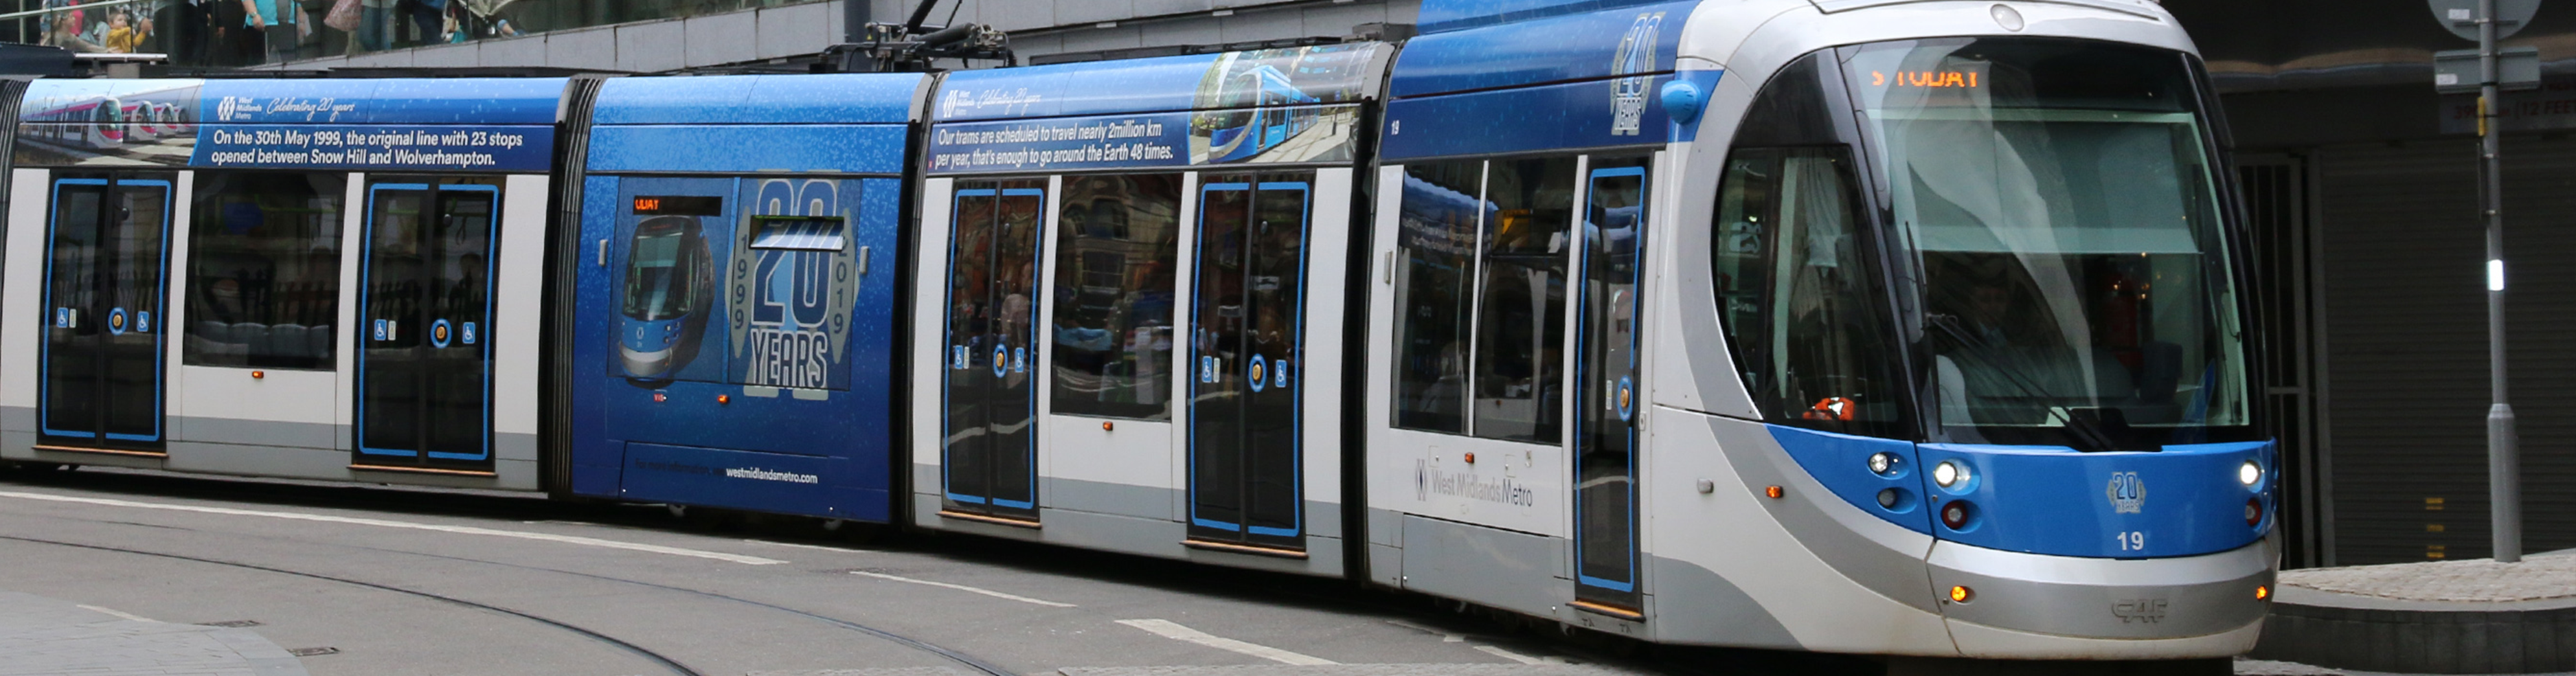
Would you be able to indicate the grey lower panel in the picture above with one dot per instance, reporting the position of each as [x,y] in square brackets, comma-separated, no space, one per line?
[18,418]
[518,446]
[1882,556]
[331,465]
[1696,605]
[1385,527]
[1488,566]
[1076,513]
[259,433]
[2106,608]
[1106,498]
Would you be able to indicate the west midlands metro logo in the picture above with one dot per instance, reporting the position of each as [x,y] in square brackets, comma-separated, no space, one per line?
[2128,494]
[224,109]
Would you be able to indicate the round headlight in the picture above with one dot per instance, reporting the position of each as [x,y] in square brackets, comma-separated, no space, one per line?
[1949,474]
[2249,473]
[1881,463]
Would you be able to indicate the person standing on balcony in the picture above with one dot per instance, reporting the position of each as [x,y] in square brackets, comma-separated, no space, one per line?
[272,22]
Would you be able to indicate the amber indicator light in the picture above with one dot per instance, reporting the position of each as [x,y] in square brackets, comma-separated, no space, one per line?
[1961,594]
[256,375]
[1774,492]
[1107,426]
[724,399]
[2262,592]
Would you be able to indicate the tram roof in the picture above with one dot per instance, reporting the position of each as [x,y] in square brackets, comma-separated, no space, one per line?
[855,98]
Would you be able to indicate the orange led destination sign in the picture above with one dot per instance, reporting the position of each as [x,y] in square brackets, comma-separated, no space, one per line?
[1927,79]
[680,205]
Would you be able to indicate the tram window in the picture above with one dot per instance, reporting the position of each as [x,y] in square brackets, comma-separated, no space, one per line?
[264,269]
[1437,236]
[1520,324]
[1797,294]
[1118,238]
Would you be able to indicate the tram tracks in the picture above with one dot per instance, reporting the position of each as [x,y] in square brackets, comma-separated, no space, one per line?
[671,664]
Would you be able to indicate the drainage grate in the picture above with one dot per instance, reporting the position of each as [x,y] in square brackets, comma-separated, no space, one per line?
[232,623]
[309,652]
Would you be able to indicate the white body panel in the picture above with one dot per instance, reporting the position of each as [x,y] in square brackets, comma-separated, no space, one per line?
[1122,484]
[291,423]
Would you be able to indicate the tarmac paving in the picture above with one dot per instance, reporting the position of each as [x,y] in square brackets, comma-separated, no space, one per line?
[40,635]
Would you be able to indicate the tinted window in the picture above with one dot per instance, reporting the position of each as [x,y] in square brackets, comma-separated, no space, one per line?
[1117,238]
[264,269]
[1797,294]
[1520,306]
[1436,236]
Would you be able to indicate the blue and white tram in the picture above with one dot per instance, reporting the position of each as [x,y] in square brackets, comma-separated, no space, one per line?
[1895,327]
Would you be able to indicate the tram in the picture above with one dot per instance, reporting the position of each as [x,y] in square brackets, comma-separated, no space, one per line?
[1907,328]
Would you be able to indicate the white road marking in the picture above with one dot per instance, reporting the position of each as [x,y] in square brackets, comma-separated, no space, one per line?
[384,523]
[122,615]
[843,550]
[963,588]
[1445,637]
[1174,631]
[1509,655]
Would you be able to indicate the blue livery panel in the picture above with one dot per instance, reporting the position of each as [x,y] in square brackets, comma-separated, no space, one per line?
[858,149]
[467,124]
[2184,500]
[734,338]
[735,315]
[1591,46]
[881,98]
[765,482]
[1441,16]
[2181,501]
[1565,116]
[1592,80]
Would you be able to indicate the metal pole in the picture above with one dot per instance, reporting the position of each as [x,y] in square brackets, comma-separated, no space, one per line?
[2504,474]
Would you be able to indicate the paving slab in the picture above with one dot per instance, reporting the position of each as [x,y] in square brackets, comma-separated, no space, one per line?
[40,635]
[2537,578]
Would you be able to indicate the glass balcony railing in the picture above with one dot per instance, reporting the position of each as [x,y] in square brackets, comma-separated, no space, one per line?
[255,32]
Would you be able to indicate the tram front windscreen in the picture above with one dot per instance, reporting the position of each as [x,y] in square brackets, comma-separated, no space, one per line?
[2058,204]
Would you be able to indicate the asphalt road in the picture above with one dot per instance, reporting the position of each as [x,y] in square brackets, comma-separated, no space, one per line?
[376,580]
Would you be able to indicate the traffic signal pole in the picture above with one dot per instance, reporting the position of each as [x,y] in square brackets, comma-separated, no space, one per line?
[2504,464]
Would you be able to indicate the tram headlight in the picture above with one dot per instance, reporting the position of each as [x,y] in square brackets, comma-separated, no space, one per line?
[1882,463]
[2249,474]
[1949,474]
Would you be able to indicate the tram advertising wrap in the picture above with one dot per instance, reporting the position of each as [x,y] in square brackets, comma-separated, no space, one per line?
[413,125]
[1276,106]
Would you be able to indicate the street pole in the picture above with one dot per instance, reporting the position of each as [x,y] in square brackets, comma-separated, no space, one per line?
[2504,475]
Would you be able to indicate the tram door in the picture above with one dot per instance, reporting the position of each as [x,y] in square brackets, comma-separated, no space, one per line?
[1606,434]
[991,408]
[425,373]
[104,281]
[1247,321]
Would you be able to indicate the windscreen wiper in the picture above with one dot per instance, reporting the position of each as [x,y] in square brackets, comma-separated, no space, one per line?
[2087,431]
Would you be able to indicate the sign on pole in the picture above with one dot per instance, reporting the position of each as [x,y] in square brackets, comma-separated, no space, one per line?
[2461,16]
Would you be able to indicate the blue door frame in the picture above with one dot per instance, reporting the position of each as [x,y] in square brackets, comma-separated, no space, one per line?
[104,320]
